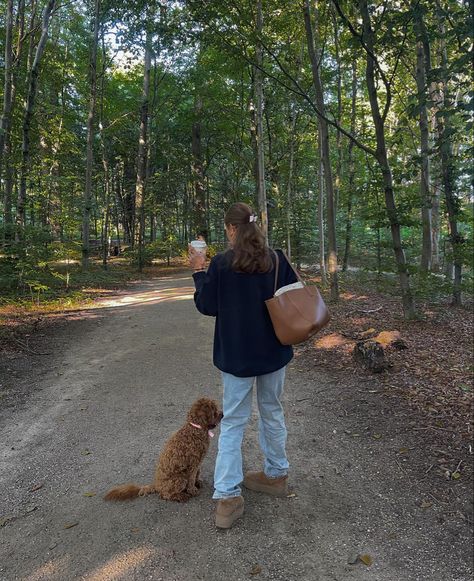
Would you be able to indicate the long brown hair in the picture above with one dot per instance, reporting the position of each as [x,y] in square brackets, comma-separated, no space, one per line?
[250,252]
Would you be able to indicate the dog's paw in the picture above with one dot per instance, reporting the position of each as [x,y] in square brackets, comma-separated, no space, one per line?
[180,497]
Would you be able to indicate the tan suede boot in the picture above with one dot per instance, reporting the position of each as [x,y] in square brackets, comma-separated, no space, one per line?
[228,510]
[260,483]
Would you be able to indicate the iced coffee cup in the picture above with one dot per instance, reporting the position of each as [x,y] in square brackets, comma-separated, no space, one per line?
[199,246]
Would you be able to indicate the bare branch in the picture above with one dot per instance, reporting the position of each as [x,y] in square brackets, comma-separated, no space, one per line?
[370,53]
[294,87]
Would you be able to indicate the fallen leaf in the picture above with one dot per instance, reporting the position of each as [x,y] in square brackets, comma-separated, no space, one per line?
[70,525]
[4,520]
[403,451]
[89,494]
[367,332]
[366,559]
[135,530]
[456,475]
[358,558]
[292,495]
[37,487]
[31,508]
[255,570]
[86,452]
[426,504]
[377,436]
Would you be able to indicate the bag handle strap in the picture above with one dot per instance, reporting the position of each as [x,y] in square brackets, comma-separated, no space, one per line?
[298,276]
[277,267]
[277,264]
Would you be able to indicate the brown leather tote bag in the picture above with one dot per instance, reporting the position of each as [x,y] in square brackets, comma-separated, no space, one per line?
[298,313]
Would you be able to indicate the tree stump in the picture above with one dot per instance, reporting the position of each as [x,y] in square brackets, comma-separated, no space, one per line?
[371,353]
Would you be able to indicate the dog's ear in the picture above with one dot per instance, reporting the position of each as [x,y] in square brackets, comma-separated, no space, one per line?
[203,412]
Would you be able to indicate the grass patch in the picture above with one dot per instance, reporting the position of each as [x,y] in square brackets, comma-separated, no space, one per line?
[59,285]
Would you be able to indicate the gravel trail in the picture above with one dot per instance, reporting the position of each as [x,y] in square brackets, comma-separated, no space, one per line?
[118,381]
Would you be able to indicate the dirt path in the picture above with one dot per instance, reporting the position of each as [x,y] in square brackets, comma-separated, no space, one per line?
[119,382]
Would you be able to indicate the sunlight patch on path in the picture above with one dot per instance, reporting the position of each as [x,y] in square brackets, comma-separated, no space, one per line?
[119,565]
[152,296]
[54,569]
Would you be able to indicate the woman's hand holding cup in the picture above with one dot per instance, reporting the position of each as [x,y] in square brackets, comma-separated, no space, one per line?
[197,254]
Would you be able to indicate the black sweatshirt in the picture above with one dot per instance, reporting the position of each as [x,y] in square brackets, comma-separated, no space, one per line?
[245,344]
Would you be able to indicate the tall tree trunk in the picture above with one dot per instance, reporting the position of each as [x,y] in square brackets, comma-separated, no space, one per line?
[350,193]
[253,132]
[8,199]
[105,160]
[31,34]
[314,55]
[435,227]
[28,116]
[272,171]
[322,249]
[140,187]
[447,172]
[152,227]
[106,245]
[55,170]
[151,149]
[120,200]
[117,204]
[5,121]
[9,171]
[337,177]
[200,206]
[382,159]
[289,188]
[423,66]
[20,25]
[90,138]
[261,191]
[436,99]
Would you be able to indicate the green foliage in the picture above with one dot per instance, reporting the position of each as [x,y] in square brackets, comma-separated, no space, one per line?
[204,53]
[24,264]
[164,250]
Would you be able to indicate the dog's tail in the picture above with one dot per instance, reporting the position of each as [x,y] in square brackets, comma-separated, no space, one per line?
[129,491]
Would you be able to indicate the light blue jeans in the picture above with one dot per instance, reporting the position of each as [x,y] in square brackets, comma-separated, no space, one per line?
[237,407]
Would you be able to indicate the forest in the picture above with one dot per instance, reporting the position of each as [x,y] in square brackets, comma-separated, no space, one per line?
[127,128]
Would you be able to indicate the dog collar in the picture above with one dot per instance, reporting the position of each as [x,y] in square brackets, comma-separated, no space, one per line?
[211,434]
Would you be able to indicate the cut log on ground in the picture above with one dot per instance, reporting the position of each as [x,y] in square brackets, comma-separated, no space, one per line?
[391,339]
[371,353]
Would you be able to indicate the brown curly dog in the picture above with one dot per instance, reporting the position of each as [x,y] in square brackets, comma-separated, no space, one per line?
[177,471]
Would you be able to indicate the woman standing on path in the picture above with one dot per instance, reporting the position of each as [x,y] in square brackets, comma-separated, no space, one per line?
[234,289]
